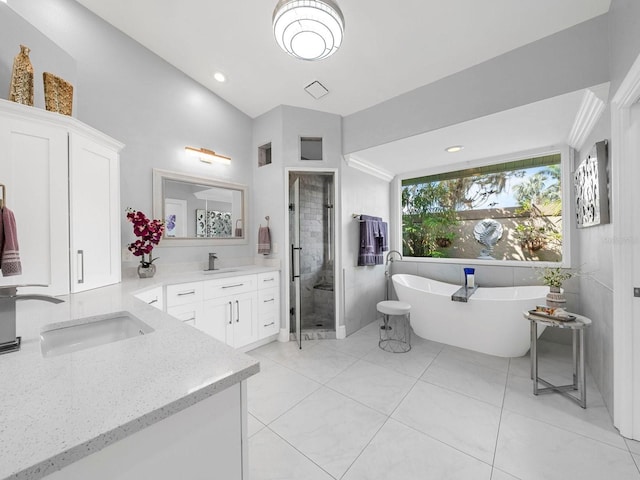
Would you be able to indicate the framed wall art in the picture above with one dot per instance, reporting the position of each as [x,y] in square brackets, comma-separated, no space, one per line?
[592,189]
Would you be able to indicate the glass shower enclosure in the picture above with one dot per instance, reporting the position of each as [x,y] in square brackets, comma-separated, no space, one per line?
[312,251]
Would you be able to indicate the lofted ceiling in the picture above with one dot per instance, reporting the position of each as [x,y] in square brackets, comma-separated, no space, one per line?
[389,47]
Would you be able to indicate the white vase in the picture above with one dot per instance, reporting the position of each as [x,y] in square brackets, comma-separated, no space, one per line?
[555,297]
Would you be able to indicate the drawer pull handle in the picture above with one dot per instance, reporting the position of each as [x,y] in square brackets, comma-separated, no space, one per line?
[270,300]
[230,313]
[233,286]
[155,300]
[190,319]
[238,311]
[190,292]
[268,279]
[269,324]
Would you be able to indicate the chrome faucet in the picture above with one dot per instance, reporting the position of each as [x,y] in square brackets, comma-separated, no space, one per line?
[212,261]
[9,342]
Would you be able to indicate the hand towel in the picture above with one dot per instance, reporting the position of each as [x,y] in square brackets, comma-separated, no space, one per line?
[370,252]
[9,251]
[383,241]
[264,241]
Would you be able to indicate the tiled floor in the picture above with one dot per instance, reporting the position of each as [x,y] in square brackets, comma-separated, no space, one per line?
[344,409]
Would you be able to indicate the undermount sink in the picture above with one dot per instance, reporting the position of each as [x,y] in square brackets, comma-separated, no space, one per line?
[91,332]
[220,270]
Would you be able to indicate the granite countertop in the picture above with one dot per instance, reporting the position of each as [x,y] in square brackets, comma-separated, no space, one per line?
[59,409]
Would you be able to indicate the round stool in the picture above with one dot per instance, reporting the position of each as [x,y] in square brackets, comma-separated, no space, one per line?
[395,333]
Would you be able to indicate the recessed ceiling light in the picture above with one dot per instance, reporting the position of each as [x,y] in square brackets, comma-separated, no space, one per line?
[220,77]
[454,148]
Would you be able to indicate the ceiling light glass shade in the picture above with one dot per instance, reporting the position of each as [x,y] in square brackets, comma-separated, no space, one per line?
[308,29]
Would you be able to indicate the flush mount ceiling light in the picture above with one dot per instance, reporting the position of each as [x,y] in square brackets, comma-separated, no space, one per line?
[220,77]
[454,148]
[207,156]
[308,29]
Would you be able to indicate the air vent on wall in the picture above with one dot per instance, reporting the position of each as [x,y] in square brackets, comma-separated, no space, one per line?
[316,90]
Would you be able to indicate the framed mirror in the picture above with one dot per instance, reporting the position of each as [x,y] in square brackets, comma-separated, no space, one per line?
[199,210]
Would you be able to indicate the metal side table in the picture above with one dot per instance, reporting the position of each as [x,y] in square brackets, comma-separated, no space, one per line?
[578,327]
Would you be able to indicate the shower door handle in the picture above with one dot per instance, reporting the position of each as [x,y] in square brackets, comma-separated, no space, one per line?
[293,262]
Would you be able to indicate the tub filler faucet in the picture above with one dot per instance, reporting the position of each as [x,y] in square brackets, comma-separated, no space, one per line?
[386,269]
[9,342]
[390,260]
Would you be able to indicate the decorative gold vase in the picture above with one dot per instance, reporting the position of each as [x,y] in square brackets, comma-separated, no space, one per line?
[58,94]
[21,87]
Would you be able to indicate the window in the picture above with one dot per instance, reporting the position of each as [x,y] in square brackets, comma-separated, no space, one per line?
[264,155]
[310,148]
[507,211]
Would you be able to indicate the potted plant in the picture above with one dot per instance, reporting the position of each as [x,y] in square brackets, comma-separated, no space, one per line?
[554,277]
[530,237]
[149,233]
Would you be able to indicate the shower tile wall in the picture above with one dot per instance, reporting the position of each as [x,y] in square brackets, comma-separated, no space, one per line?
[316,273]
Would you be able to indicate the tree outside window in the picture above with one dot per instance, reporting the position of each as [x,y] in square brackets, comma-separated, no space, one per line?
[441,211]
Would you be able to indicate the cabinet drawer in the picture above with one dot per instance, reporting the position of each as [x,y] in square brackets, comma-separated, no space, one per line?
[229,286]
[190,314]
[268,324]
[268,300]
[268,279]
[184,293]
[152,297]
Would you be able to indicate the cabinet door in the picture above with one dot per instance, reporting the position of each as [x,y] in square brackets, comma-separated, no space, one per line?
[217,318]
[152,297]
[94,192]
[191,313]
[245,321]
[33,167]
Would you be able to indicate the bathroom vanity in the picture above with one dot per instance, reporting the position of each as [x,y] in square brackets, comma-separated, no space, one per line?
[167,404]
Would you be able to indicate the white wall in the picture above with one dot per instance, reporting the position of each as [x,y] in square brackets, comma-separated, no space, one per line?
[283,126]
[567,61]
[363,287]
[596,286]
[128,92]
[624,39]
[45,55]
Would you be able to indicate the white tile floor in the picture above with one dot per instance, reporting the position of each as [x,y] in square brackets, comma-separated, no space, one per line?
[344,409]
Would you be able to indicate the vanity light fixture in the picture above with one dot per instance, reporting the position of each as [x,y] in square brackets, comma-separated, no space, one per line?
[454,148]
[207,156]
[308,29]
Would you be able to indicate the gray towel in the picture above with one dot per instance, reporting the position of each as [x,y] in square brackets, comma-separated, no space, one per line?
[264,241]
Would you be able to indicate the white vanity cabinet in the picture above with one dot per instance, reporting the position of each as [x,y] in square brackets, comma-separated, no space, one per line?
[62,183]
[94,207]
[230,312]
[237,310]
[184,301]
[152,297]
[268,304]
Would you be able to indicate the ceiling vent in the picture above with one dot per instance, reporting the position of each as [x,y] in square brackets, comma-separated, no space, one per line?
[316,90]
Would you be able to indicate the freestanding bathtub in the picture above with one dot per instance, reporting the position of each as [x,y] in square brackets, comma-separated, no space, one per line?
[490,322]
